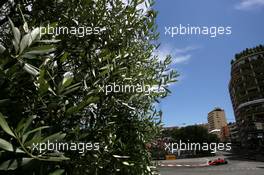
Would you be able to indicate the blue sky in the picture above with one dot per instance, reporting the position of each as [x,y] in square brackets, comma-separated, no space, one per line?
[204,62]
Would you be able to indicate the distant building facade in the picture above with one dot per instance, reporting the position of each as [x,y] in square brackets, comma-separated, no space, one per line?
[246,89]
[234,134]
[216,121]
[225,134]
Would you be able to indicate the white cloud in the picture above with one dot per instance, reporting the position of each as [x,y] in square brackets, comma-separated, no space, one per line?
[186,49]
[249,4]
[182,59]
[179,55]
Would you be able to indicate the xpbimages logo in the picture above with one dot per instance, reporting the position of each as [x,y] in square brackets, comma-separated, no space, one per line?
[182,146]
[81,147]
[211,31]
[129,88]
[79,31]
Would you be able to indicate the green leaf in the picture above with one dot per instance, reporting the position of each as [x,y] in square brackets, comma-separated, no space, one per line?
[41,48]
[32,131]
[121,157]
[44,50]
[9,165]
[71,88]
[81,105]
[20,125]
[48,41]
[128,164]
[64,57]
[25,42]
[14,164]
[43,83]
[107,67]
[2,49]
[26,161]
[16,32]
[5,126]
[54,137]
[35,139]
[57,159]
[9,147]
[27,123]
[16,45]
[35,34]
[31,69]
[67,80]
[25,27]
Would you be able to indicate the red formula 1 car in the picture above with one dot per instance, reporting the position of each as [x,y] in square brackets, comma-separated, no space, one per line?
[218,161]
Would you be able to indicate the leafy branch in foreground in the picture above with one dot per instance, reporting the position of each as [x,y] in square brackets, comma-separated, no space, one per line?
[17,145]
[22,141]
[58,83]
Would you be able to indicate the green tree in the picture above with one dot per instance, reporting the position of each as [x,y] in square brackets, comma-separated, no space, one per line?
[191,134]
[57,84]
[194,133]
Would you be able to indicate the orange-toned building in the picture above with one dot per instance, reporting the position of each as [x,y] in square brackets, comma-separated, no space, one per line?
[225,134]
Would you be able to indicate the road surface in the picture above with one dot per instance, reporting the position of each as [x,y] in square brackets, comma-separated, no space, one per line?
[234,167]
